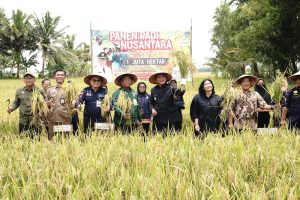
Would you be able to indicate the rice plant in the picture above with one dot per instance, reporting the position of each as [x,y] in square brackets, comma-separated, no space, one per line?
[71,95]
[109,165]
[184,62]
[279,85]
[124,103]
[39,109]
[228,96]
[106,103]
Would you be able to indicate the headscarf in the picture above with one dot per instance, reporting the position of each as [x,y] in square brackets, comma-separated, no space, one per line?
[138,85]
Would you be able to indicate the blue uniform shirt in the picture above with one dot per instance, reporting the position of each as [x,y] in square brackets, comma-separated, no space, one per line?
[293,104]
[90,98]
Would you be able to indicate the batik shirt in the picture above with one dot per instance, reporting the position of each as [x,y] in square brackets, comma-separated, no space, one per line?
[244,108]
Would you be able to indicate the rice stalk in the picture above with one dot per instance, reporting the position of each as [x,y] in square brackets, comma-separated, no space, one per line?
[106,102]
[230,93]
[71,95]
[124,103]
[185,63]
[39,109]
[279,85]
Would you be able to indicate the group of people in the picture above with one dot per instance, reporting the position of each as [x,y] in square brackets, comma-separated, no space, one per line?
[162,106]
[248,109]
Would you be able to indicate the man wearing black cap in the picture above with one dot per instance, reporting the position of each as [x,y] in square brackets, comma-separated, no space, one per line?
[23,102]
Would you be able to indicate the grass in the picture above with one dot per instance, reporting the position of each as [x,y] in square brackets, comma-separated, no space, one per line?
[114,166]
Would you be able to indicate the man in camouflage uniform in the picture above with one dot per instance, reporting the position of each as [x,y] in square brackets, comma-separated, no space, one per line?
[23,102]
[292,104]
[246,104]
[56,101]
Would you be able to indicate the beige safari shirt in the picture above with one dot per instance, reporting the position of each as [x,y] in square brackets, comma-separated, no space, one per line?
[58,110]
[244,108]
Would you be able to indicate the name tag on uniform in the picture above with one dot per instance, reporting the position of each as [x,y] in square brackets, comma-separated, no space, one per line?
[104,126]
[98,103]
[146,121]
[62,128]
[62,101]
[135,102]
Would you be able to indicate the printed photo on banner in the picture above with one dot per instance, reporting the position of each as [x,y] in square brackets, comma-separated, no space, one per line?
[141,53]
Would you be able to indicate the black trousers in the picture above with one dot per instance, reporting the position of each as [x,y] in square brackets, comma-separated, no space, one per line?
[33,130]
[263,120]
[164,127]
[89,122]
[75,123]
[146,128]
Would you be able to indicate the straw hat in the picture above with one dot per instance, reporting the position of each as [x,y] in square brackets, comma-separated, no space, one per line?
[152,78]
[253,80]
[89,77]
[295,76]
[120,77]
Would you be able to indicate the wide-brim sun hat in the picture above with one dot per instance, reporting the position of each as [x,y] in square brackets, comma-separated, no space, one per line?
[153,77]
[295,76]
[119,78]
[253,80]
[89,77]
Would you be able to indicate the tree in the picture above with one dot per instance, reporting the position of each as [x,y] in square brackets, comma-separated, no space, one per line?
[78,66]
[49,40]
[257,31]
[3,19]
[16,37]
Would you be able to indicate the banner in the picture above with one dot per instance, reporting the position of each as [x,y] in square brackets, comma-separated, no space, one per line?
[140,53]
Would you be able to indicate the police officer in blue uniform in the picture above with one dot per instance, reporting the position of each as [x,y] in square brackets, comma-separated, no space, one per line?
[292,104]
[92,96]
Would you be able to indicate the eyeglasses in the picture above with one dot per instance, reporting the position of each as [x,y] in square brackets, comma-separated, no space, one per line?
[94,80]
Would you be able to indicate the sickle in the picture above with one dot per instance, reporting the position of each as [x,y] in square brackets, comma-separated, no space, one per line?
[8,100]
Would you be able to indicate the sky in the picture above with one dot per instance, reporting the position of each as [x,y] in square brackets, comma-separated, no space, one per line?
[128,15]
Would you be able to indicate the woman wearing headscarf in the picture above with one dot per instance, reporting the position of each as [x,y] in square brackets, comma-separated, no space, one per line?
[263,118]
[179,101]
[207,108]
[165,112]
[144,105]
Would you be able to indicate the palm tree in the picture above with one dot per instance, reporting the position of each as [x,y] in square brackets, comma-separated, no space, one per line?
[49,40]
[16,37]
[3,47]
[68,42]
[82,53]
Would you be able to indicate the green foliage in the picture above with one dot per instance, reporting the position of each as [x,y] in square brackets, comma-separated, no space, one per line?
[17,36]
[24,34]
[256,31]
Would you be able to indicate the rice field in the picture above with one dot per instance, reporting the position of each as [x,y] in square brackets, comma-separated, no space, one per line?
[114,166]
